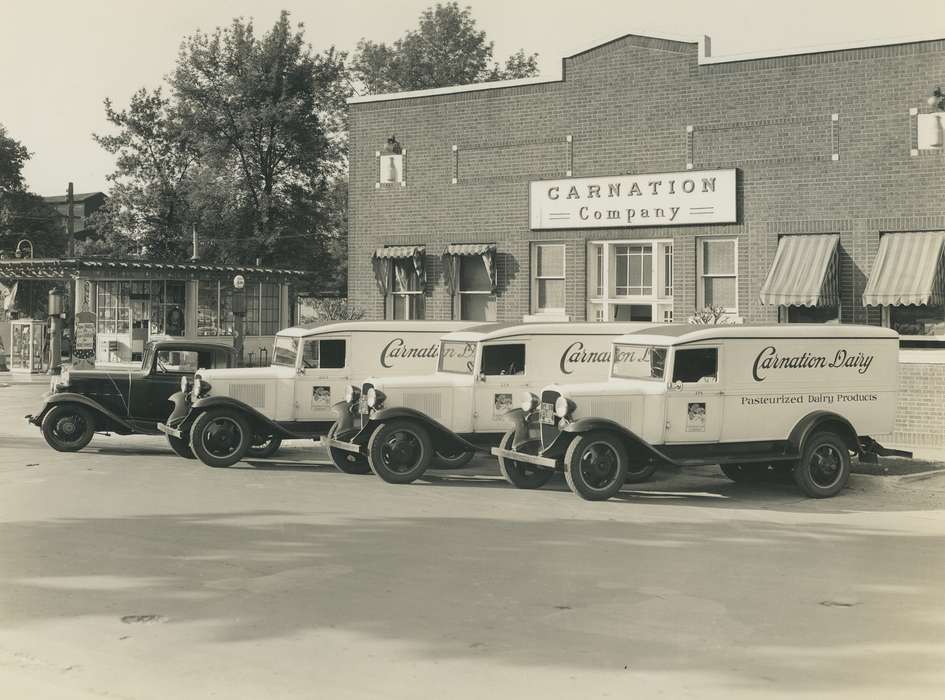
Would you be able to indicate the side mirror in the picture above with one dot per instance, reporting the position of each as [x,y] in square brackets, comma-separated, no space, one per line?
[300,371]
[482,377]
[676,386]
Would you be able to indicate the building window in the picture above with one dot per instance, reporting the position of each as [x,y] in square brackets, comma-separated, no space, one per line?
[113,307]
[923,323]
[263,304]
[474,293]
[167,308]
[406,297]
[717,267]
[548,274]
[630,281]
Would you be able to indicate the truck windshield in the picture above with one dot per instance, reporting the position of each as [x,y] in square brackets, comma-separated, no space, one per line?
[639,362]
[457,356]
[284,351]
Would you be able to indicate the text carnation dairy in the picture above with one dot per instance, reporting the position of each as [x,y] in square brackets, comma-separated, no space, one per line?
[769,359]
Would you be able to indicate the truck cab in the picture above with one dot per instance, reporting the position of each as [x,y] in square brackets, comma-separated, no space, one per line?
[753,399]
[441,419]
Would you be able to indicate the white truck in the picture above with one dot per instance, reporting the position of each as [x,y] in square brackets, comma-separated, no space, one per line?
[221,413]
[400,426]
[752,399]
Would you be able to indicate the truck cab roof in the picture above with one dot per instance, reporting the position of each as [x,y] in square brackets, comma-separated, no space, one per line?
[375,327]
[682,334]
[498,331]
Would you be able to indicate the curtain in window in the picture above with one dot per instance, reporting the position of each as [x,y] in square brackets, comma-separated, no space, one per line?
[451,259]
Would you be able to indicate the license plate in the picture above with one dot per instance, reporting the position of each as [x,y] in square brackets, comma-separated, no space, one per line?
[363,408]
[547,414]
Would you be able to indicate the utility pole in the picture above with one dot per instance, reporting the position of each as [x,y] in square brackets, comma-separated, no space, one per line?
[70,223]
[196,255]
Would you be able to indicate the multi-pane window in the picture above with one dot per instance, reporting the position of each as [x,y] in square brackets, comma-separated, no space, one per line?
[215,308]
[167,307]
[476,300]
[717,267]
[113,307]
[262,308]
[630,281]
[548,278]
[406,293]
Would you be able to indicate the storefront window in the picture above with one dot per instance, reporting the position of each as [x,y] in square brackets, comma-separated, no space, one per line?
[630,281]
[925,320]
[208,307]
[406,294]
[476,300]
[262,308]
[167,308]
[718,270]
[114,307]
[548,277]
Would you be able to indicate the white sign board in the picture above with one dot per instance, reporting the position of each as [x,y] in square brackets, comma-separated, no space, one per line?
[660,199]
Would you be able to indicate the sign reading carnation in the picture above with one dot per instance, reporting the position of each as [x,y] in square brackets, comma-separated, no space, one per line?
[661,199]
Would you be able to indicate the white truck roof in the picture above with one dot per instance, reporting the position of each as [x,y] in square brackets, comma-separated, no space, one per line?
[681,334]
[440,327]
[497,331]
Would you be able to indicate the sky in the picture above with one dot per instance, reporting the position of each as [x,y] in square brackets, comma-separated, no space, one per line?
[60,59]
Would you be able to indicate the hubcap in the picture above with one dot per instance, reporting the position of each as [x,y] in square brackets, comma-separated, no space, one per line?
[69,427]
[599,465]
[401,451]
[221,437]
[826,465]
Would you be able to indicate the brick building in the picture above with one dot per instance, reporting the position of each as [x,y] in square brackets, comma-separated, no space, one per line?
[805,187]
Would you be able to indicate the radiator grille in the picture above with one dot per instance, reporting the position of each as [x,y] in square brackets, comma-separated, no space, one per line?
[549,432]
[427,402]
[252,394]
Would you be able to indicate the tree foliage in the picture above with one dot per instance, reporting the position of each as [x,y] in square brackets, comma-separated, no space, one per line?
[247,147]
[447,48]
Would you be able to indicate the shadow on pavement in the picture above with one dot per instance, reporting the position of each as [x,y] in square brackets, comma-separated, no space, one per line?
[813,609]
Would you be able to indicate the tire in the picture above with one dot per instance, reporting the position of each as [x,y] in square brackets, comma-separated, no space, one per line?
[595,465]
[180,447]
[641,473]
[451,461]
[400,451]
[68,427]
[348,462]
[824,467]
[265,448]
[220,437]
[523,475]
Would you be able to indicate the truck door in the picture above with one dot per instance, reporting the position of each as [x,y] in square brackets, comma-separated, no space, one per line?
[503,374]
[322,378]
[694,400]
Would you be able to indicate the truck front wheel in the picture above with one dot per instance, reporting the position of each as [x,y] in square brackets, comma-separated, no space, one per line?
[595,465]
[180,447]
[348,462]
[824,466]
[400,451]
[264,446]
[220,437]
[68,427]
[522,475]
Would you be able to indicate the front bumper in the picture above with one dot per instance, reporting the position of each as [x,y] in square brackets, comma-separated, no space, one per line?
[537,460]
[343,445]
[173,432]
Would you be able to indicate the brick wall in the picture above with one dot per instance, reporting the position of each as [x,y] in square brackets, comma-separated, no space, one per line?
[920,415]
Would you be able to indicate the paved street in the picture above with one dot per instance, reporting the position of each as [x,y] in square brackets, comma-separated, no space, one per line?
[126,572]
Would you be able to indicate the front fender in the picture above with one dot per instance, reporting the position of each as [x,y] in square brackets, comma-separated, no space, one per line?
[816,420]
[443,437]
[344,420]
[586,425]
[209,402]
[520,425]
[181,403]
[118,424]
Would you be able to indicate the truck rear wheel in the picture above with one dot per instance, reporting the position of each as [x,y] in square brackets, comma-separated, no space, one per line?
[180,447]
[264,447]
[68,427]
[523,475]
[451,460]
[824,467]
[220,437]
[595,465]
[348,462]
[400,451]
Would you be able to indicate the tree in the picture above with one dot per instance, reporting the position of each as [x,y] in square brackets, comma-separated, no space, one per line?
[447,48]
[268,114]
[22,213]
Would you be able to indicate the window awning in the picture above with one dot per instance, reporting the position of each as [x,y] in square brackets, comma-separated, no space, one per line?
[908,270]
[469,248]
[398,252]
[804,272]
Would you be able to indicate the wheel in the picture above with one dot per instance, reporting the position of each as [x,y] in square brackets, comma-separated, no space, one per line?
[180,447]
[523,475]
[348,462]
[264,447]
[595,465]
[641,471]
[68,427]
[220,437]
[824,466]
[400,451]
[456,460]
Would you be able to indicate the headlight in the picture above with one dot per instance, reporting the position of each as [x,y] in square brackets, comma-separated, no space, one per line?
[185,384]
[563,407]
[63,378]
[375,398]
[201,387]
[352,394]
[529,401]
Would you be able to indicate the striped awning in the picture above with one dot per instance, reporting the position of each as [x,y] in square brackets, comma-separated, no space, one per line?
[469,248]
[397,252]
[908,270]
[804,272]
